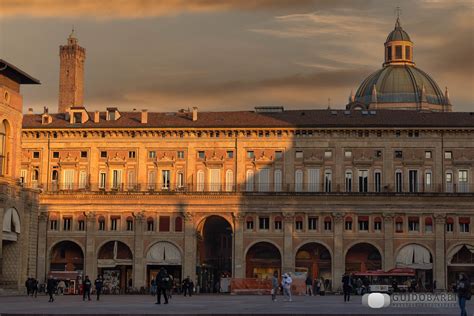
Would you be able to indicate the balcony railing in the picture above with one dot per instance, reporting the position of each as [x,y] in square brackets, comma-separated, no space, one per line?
[258,188]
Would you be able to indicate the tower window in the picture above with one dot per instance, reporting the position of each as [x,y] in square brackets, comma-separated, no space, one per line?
[389,52]
[407,52]
[398,52]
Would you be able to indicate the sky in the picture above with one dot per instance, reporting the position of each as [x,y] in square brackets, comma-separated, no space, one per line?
[222,55]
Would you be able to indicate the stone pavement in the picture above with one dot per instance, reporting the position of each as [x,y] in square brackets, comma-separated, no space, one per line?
[207,305]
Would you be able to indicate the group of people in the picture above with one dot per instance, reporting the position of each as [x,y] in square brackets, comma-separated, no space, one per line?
[53,286]
[31,285]
[316,286]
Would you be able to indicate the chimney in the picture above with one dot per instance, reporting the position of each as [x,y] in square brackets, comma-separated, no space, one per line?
[30,110]
[96,117]
[195,113]
[144,117]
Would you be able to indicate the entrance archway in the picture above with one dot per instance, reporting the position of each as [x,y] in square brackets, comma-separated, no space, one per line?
[67,264]
[214,250]
[167,255]
[460,259]
[314,259]
[114,263]
[262,260]
[363,257]
[419,258]
[11,248]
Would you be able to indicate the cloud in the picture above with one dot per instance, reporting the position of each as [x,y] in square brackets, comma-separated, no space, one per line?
[136,9]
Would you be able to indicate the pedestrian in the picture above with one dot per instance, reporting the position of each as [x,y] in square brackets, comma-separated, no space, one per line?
[86,288]
[162,280]
[309,286]
[346,287]
[170,287]
[34,287]
[153,287]
[61,286]
[322,287]
[28,286]
[463,288]
[317,285]
[51,288]
[99,283]
[187,286]
[286,284]
[275,283]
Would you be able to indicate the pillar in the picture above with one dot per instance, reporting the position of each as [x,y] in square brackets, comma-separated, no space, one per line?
[338,260]
[288,262]
[90,257]
[388,256]
[238,251]
[139,279]
[189,256]
[2,210]
[42,261]
[440,252]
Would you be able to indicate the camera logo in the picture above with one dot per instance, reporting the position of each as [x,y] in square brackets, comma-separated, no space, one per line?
[376,300]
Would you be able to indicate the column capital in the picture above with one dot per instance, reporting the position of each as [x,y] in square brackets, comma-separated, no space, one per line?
[139,216]
[288,216]
[90,216]
[239,216]
[440,218]
[43,216]
[338,217]
[188,216]
[388,217]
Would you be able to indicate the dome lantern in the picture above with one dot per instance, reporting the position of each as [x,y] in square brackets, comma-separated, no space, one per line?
[398,47]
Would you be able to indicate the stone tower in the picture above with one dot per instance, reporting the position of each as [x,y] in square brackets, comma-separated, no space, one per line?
[71,74]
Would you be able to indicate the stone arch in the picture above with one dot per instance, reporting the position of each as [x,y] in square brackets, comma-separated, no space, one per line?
[11,221]
[322,243]
[164,252]
[454,249]
[419,257]
[201,220]
[66,255]
[360,256]
[312,256]
[73,240]
[110,243]
[99,246]
[397,251]
[262,258]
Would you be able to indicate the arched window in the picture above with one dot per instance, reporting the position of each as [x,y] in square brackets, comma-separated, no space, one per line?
[34,178]
[129,222]
[229,181]
[200,181]
[327,181]
[399,225]
[277,180]
[348,223]
[178,224]
[327,223]
[3,147]
[348,181]
[428,224]
[101,222]
[249,181]
[82,179]
[378,224]
[313,180]
[150,224]
[298,180]
[180,181]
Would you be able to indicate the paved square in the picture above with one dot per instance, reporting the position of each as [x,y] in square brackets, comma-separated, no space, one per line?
[207,305]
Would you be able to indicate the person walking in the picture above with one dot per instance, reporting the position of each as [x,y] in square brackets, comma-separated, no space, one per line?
[309,285]
[34,287]
[99,283]
[153,287]
[28,286]
[51,288]
[162,280]
[187,286]
[346,287]
[275,283]
[463,288]
[286,284]
[61,286]
[87,284]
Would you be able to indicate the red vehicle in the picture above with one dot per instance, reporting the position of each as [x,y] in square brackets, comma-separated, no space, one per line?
[381,281]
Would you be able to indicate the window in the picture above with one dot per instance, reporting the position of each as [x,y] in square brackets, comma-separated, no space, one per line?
[399,225]
[378,154]
[464,224]
[264,223]
[55,154]
[36,154]
[327,181]
[101,223]
[299,180]
[348,184]
[278,155]
[249,181]
[299,223]
[407,52]
[264,180]
[77,117]
[377,224]
[81,224]
[363,180]
[131,180]
[180,181]
[348,223]
[201,154]
[428,225]
[178,224]
[164,224]
[299,154]
[428,154]
[328,154]
[117,179]
[428,181]
[200,181]
[312,223]
[68,179]
[250,154]
[449,181]
[23,176]
[150,224]
[230,154]
[229,180]
[398,51]
[413,224]
[448,155]
[378,181]
[53,224]
[165,179]
[152,154]
[180,154]
[83,154]
[398,154]
[102,179]
[462,181]
[113,223]
[398,181]
[327,224]
[278,223]
[313,180]
[413,181]
[132,154]
[103,154]
[398,134]
[363,223]
[348,154]
[449,225]
[277,180]
[249,223]
[129,224]
[82,179]
[389,52]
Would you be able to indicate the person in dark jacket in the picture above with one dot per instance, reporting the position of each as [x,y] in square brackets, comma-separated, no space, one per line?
[28,286]
[187,286]
[346,287]
[86,288]
[34,287]
[51,288]
[162,283]
[463,288]
[309,285]
[99,283]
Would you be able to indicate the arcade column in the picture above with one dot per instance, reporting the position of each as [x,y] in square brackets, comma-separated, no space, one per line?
[389,260]
[41,268]
[138,262]
[238,253]
[338,260]
[189,258]
[440,252]
[288,261]
[90,256]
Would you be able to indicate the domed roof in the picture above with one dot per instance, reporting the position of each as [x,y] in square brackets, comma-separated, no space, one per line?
[400,84]
[398,34]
